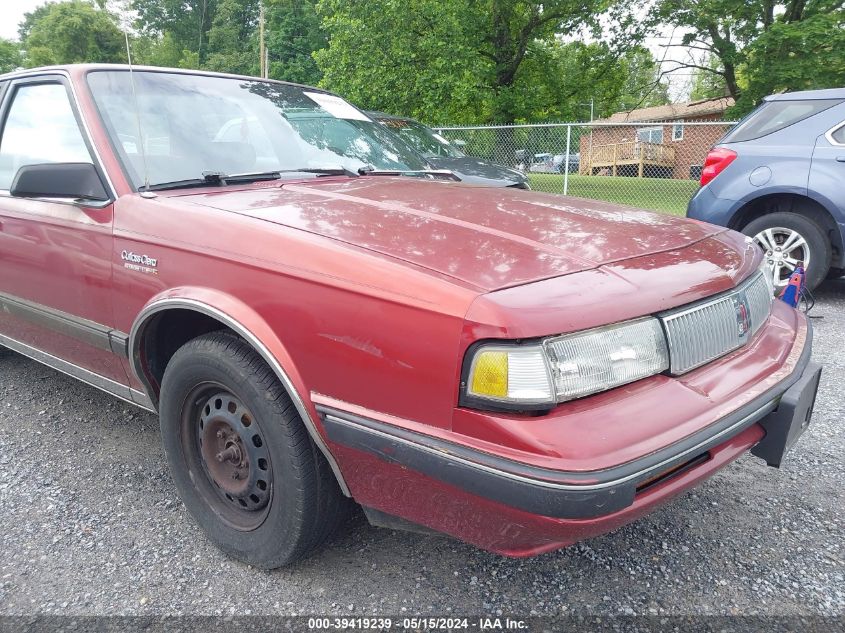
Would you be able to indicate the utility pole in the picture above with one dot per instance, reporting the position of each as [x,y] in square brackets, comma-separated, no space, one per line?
[261,52]
[202,29]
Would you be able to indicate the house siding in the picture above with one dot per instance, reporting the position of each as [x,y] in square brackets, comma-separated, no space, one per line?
[690,151]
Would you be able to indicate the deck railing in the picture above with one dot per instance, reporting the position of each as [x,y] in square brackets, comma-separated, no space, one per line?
[638,153]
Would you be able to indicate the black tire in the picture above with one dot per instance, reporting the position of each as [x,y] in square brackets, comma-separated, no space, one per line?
[835,273]
[817,242]
[300,504]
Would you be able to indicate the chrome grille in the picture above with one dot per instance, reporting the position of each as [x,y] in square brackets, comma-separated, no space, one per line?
[705,331]
[760,294]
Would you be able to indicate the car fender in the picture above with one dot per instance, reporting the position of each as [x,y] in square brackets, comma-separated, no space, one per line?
[762,192]
[245,322]
[829,205]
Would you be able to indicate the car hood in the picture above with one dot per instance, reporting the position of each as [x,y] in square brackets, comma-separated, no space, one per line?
[478,172]
[484,237]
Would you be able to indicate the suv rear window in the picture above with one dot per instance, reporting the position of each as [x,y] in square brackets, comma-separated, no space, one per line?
[776,115]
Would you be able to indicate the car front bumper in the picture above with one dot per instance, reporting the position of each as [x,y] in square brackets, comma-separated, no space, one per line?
[520,509]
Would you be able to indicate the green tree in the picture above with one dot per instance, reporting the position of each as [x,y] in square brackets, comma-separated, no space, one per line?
[721,28]
[29,20]
[185,22]
[232,42]
[10,56]
[506,31]
[564,80]
[762,47]
[70,32]
[213,34]
[152,50]
[465,60]
[707,84]
[642,85]
[293,34]
[410,58]
[802,54]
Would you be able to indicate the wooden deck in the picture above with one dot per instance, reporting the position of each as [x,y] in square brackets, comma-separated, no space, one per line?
[631,153]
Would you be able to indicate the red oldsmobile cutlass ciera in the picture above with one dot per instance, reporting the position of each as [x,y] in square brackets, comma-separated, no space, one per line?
[317,317]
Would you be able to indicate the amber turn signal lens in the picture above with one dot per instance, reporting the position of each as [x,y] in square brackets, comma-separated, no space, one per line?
[490,375]
[515,375]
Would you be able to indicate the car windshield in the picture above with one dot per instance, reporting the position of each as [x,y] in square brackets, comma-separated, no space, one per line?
[194,125]
[423,139]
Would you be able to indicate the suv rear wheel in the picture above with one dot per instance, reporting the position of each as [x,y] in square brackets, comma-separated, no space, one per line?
[788,239]
[240,456]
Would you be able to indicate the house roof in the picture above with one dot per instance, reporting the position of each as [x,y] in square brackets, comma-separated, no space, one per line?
[673,111]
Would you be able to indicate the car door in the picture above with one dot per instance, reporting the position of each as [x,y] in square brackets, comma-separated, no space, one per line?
[827,172]
[55,255]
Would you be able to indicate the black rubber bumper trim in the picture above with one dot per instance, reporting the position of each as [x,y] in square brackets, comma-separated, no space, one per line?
[553,493]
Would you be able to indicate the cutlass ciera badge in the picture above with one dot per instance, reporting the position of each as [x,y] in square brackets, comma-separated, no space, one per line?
[139,263]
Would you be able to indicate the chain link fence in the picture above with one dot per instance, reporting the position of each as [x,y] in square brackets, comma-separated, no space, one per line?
[651,165]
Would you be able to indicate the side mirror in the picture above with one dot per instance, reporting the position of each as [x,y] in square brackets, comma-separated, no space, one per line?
[59,180]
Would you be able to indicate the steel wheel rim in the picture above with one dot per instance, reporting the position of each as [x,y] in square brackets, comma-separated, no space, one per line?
[784,249]
[227,456]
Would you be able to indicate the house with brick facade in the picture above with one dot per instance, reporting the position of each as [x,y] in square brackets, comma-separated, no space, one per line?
[655,142]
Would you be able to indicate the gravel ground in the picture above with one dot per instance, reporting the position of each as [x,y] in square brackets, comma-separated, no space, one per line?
[91,524]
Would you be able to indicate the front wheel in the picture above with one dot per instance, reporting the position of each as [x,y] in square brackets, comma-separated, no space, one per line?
[788,239]
[240,456]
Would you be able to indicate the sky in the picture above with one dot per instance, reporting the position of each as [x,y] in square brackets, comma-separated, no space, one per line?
[11,14]
[12,11]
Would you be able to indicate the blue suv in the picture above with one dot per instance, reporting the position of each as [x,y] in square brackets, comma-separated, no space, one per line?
[779,177]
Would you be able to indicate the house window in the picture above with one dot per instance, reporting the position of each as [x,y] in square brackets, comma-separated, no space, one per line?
[650,135]
[678,131]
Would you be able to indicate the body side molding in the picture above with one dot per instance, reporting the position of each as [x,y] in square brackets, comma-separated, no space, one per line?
[94,334]
[161,305]
[111,387]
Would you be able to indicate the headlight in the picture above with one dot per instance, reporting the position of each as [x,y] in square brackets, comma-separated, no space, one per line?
[539,375]
[606,357]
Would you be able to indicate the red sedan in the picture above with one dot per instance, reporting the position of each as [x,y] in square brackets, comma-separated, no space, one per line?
[316,318]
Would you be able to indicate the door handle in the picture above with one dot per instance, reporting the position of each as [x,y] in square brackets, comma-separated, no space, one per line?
[840,159]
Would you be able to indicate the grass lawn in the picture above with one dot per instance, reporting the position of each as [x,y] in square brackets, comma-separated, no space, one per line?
[658,194]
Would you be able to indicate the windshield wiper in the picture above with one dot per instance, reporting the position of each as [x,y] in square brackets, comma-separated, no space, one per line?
[212,178]
[217,178]
[369,170]
[324,171]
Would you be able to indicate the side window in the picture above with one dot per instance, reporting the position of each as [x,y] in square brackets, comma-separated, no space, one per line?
[650,135]
[40,128]
[774,116]
[839,135]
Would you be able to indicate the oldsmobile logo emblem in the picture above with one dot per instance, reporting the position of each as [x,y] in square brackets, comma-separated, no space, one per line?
[743,315]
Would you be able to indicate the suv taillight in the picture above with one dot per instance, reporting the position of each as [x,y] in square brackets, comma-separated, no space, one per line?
[715,163]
